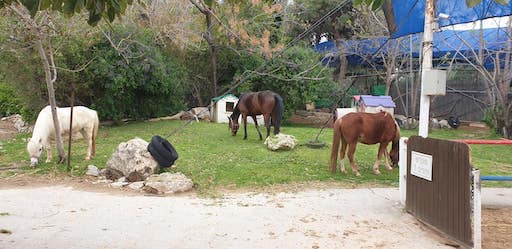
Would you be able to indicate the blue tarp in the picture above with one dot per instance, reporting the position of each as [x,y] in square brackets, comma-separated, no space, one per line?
[409,15]
[450,44]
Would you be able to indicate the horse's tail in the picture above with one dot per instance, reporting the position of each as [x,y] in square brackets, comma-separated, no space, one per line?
[279,110]
[336,138]
[95,133]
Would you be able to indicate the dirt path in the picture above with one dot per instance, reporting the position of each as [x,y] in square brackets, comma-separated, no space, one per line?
[62,217]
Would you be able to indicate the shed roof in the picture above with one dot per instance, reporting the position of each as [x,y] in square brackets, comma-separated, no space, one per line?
[384,101]
[215,99]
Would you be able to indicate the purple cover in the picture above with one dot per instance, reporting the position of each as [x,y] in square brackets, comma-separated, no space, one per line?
[384,101]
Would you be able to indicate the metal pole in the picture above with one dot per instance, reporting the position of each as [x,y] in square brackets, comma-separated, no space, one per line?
[71,125]
[428,38]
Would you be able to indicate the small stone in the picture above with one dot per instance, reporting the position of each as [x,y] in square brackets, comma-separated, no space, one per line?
[136,185]
[167,183]
[92,171]
[102,181]
[118,184]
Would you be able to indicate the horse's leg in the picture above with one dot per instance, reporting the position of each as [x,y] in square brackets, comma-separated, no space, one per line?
[382,151]
[266,117]
[88,136]
[386,157]
[244,119]
[342,156]
[49,153]
[257,127]
[351,152]
[336,137]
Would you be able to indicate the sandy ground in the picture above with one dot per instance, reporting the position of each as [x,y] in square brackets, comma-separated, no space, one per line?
[65,217]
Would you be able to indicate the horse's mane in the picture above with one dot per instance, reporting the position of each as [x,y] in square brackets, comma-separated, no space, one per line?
[236,110]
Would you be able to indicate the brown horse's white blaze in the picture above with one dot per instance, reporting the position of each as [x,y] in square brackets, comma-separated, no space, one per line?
[367,128]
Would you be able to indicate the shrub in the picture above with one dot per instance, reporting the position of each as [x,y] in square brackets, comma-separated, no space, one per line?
[138,82]
[9,101]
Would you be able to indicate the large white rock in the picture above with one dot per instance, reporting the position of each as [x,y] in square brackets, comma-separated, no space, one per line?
[281,142]
[167,183]
[131,160]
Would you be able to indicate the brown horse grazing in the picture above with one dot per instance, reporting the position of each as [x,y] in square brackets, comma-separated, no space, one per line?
[266,103]
[367,128]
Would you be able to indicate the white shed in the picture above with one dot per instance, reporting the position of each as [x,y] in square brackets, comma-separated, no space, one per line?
[223,107]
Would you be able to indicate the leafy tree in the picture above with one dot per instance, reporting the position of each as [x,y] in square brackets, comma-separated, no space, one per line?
[36,18]
[140,81]
[96,8]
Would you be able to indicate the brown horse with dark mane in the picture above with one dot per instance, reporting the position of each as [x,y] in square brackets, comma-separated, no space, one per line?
[367,128]
[266,103]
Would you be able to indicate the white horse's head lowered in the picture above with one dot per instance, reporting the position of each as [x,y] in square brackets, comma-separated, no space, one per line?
[85,121]
[35,148]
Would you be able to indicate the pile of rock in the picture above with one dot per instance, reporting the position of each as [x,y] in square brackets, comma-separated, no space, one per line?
[17,122]
[132,165]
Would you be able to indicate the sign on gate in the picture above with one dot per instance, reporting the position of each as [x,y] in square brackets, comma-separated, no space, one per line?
[421,165]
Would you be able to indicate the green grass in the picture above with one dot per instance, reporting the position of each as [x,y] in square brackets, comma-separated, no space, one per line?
[212,158]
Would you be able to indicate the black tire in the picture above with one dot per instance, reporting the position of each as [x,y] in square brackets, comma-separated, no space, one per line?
[454,122]
[162,151]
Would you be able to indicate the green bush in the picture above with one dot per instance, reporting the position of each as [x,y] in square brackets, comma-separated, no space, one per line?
[138,82]
[9,101]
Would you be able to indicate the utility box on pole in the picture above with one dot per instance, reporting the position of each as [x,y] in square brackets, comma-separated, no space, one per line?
[433,82]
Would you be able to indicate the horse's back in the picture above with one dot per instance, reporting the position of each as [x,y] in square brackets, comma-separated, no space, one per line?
[368,128]
[83,117]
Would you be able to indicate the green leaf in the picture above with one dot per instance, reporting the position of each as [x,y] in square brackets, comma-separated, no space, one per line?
[376,4]
[502,2]
[357,2]
[111,13]
[472,3]
[57,5]
[94,18]
[44,4]
[32,6]
[79,5]
[69,7]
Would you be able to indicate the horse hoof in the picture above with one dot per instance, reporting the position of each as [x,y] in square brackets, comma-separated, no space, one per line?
[87,158]
[358,174]
[377,172]
[390,169]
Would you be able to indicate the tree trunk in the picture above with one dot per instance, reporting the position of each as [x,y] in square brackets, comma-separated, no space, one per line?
[341,71]
[51,97]
[213,51]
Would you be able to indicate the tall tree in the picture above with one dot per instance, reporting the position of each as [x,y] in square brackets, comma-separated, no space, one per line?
[35,14]
[338,26]
[207,8]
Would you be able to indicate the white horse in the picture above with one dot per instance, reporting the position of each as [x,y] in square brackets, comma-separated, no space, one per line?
[85,121]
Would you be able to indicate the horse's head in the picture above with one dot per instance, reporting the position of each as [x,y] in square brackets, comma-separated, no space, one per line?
[233,126]
[35,148]
[394,153]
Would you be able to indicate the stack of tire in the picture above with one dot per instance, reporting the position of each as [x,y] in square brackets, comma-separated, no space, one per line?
[162,151]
